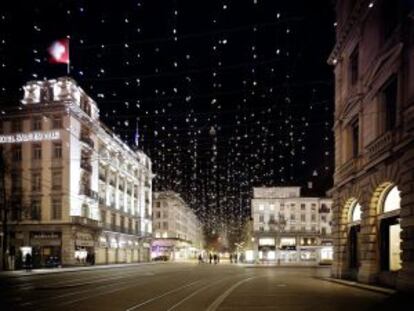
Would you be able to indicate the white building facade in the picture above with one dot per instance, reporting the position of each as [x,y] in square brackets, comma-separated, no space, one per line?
[288,228]
[177,231]
[75,192]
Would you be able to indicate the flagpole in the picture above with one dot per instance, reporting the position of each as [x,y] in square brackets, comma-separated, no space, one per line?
[68,65]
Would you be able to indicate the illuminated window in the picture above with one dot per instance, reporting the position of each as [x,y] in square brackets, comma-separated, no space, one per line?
[266,241]
[356,212]
[393,200]
[287,241]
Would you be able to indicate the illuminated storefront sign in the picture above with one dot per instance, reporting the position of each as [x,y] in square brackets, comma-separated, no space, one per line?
[267,241]
[28,137]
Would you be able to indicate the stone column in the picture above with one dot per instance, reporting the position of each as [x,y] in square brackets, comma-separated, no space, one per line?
[405,279]
[339,236]
[368,271]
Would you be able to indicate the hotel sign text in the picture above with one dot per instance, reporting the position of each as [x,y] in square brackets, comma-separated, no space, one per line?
[27,137]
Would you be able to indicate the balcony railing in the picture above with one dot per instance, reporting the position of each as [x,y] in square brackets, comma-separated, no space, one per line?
[89,193]
[379,146]
[84,221]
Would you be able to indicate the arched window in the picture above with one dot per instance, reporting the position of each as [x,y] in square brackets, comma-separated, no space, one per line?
[392,200]
[355,212]
[390,230]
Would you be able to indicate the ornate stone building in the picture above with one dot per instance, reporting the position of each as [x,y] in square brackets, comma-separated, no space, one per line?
[373,221]
[75,193]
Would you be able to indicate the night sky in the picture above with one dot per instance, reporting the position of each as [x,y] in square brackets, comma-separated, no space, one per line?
[227,95]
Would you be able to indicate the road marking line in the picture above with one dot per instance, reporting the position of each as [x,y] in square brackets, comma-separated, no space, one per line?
[216,303]
[195,293]
[160,296]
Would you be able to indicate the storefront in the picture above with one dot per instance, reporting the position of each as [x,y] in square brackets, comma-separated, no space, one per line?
[46,248]
[84,248]
[267,249]
[307,254]
[288,250]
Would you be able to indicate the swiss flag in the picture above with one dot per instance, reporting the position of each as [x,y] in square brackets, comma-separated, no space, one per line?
[59,52]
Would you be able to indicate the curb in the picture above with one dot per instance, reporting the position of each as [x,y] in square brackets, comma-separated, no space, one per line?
[71,269]
[377,289]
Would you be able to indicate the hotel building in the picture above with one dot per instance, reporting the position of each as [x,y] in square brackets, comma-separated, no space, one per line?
[288,228]
[74,192]
[177,231]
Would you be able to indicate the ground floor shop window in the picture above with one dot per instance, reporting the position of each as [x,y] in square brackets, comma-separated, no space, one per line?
[307,255]
[390,230]
[326,253]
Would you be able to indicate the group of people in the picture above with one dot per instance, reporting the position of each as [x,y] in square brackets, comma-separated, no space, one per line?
[233,258]
[212,258]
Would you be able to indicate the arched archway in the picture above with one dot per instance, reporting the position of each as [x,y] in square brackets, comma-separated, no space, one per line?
[345,218]
[353,217]
[386,201]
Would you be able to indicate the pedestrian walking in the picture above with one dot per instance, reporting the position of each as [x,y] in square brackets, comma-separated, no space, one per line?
[200,259]
[231,258]
[28,262]
[210,258]
[215,259]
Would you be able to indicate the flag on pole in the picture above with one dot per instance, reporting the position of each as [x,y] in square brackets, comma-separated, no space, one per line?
[59,52]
